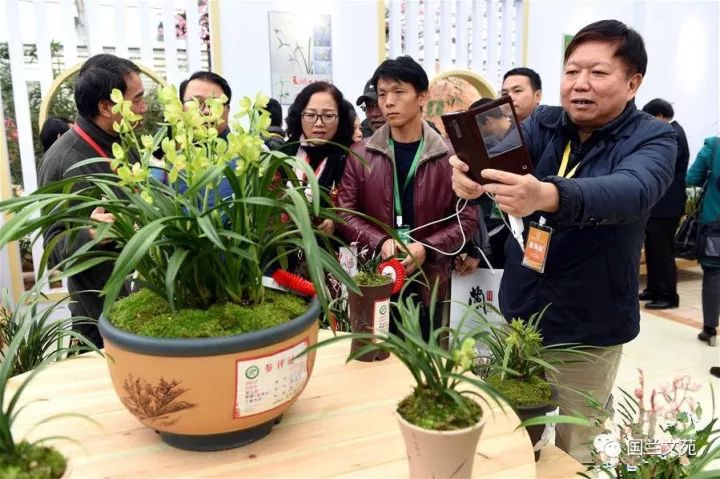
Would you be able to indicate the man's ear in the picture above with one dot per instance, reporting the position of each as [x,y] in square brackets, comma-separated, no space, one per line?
[633,85]
[538,96]
[423,98]
[105,108]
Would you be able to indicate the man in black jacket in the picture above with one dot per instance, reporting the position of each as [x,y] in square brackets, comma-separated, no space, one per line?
[92,136]
[664,219]
[600,165]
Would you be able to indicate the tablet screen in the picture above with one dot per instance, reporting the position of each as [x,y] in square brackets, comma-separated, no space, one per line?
[499,130]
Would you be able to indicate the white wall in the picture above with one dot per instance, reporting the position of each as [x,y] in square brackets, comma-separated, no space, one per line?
[681,38]
[245,42]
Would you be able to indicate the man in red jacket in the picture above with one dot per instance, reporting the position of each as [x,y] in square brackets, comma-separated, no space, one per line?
[406,185]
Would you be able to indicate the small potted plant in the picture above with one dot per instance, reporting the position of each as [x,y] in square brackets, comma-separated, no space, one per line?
[199,239]
[662,435]
[441,420]
[369,310]
[28,459]
[46,338]
[517,367]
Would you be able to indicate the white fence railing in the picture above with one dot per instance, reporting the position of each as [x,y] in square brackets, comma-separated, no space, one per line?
[485,36]
[128,28]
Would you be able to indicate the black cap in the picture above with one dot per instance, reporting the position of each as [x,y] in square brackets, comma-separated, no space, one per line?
[368,94]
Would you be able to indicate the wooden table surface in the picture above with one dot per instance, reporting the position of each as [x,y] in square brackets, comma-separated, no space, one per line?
[342,425]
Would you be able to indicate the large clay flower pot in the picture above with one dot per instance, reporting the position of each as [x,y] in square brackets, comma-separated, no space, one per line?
[434,454]
[370,313]
[212,393]
[525,413]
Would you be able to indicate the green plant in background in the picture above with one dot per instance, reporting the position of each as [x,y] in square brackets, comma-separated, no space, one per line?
[444,396]
[192,245]
[45,339]
[26,459]
[661,436]
[519,361]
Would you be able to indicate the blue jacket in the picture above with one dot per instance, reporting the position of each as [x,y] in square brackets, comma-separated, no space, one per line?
[591,274]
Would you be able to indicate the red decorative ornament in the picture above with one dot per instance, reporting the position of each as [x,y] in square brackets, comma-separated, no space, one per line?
[293,282]
[397,270]
[303,286]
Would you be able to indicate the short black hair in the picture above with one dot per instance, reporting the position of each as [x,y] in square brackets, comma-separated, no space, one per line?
[294,119]
[97,78]
[659,107]
[52,129]
[630,45]
[273,107]
[535,82]
[403,69]
[209,77]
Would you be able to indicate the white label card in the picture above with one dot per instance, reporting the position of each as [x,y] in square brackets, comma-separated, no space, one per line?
[266,382]
[381,316]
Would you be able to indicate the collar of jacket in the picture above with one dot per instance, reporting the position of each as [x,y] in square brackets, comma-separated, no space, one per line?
[434,144]
[557,119]
[104,139]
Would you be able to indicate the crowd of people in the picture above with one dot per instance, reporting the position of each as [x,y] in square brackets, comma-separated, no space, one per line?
[608,178]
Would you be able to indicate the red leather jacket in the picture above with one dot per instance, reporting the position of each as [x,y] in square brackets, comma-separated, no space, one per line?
[368,189]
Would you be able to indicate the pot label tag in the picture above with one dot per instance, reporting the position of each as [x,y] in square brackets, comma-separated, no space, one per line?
[266,382]
[381,316]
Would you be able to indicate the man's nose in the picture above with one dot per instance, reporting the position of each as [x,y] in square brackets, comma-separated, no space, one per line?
[582,81]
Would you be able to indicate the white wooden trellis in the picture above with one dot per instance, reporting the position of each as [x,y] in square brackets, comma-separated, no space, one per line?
[485,36]
[127,28]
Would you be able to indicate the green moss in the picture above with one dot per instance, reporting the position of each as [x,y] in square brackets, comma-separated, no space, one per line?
[32,462]
[371,279]
[430,410]
[532,393]
[147,314]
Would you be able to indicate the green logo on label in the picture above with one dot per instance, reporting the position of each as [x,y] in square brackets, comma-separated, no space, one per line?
[383,309]
[252,372]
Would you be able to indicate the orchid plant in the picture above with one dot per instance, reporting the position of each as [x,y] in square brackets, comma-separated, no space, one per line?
[661,435]
[188,242]
[445,395]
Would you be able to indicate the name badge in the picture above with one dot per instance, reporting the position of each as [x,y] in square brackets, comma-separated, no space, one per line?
[495,212]
[403,232]
[536,248]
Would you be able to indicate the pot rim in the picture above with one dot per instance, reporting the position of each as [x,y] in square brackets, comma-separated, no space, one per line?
[390,282]
[453,432]
[191,347]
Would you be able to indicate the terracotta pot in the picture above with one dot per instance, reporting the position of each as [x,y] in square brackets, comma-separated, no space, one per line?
[216,393]
[370,313]
[536,432]
[435,454]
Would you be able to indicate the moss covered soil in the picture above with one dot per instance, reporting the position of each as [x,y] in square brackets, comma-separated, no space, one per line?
[371,279]
[532,393]
[147,314]
[33,462]
[427,409]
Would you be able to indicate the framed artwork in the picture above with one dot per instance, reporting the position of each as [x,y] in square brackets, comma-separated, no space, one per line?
[300,53]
